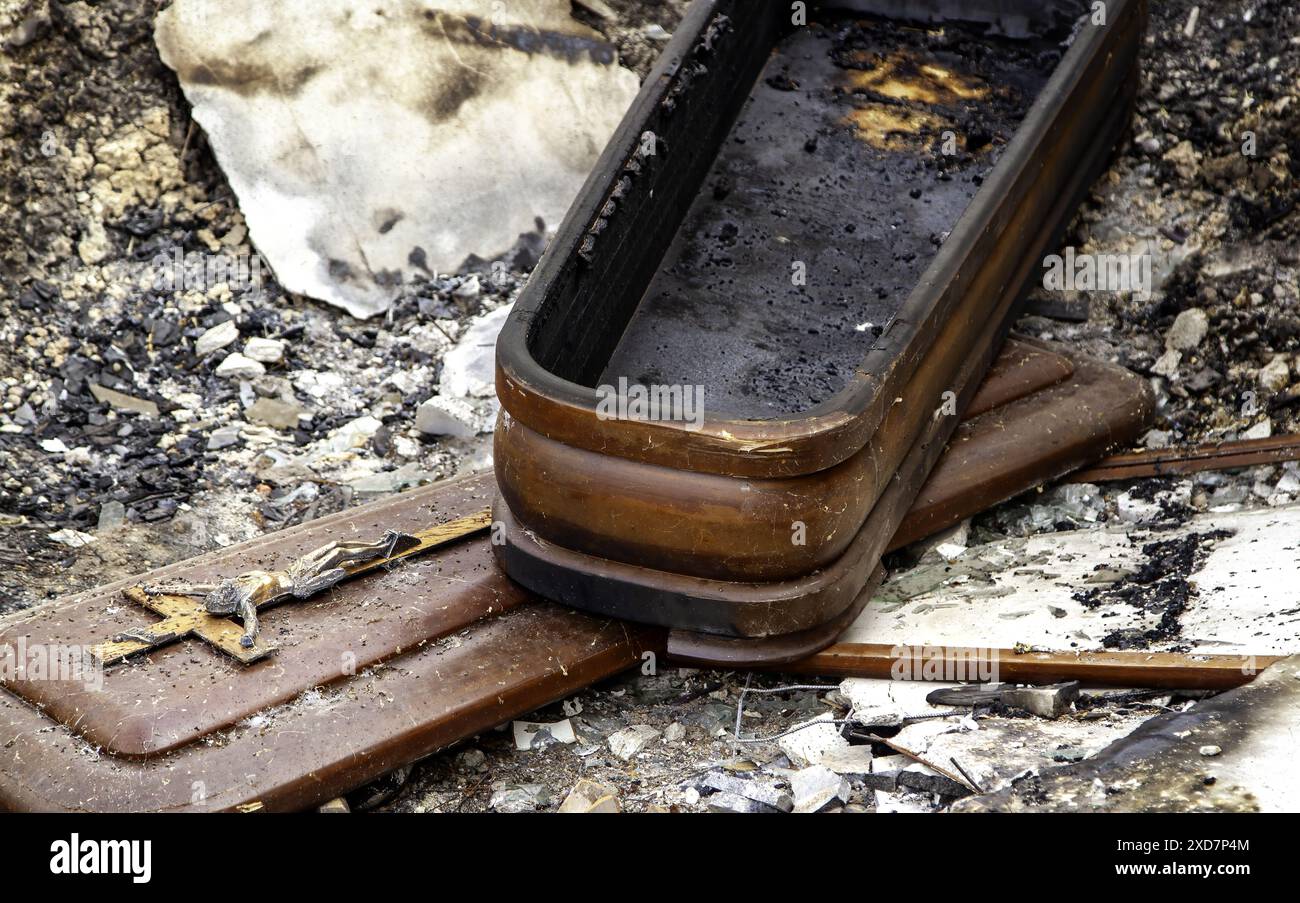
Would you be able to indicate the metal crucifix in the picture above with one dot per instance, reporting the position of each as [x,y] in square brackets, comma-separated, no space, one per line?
[204,610]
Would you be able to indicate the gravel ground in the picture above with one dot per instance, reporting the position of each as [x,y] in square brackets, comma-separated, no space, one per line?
[102,171]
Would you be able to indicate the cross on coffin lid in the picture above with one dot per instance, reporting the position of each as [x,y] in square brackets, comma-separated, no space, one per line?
[161,699]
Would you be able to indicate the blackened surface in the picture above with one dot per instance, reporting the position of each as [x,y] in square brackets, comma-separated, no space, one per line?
[864,210]
[1160,588]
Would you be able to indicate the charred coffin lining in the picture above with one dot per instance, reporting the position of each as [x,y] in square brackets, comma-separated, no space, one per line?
[570,319]
[692,528]
[824,205]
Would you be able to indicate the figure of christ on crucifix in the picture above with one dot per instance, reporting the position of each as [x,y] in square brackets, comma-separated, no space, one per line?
[203,610]
[317,570]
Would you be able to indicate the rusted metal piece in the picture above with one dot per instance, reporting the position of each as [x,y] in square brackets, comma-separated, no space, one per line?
[696,529]
[1197,458]
[1165,670]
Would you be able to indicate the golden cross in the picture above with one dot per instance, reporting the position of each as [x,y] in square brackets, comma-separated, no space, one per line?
[185,615]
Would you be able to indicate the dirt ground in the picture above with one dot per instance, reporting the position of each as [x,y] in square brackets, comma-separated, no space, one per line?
[102,170]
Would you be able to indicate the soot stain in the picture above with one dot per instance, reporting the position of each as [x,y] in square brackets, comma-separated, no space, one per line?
[1160,587]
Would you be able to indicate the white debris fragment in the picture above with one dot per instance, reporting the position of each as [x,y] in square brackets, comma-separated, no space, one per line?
[443,416]
[523,798]
[54,446]
[216,338]
[353,434]
[878,702]
[318,384]
[590,796]
[533,734]
[479,117]
[72,538]
[469,369]
[817,787]
[853,760]
[631,740]
[266,351]
[236,366]
[1261,430]
[466,404]
[809,745]
[468,290]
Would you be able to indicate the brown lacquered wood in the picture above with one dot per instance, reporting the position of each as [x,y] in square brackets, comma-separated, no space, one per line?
[1028,442]
[1172,670]
[359,729]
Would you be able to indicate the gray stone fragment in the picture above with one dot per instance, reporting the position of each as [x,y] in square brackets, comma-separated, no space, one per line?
[817,787]
[224,437]
[112,515]
[1188,331]
[120,401]
[734,802]
[216,338]
[757,790]
[1046,702]
[274,413]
